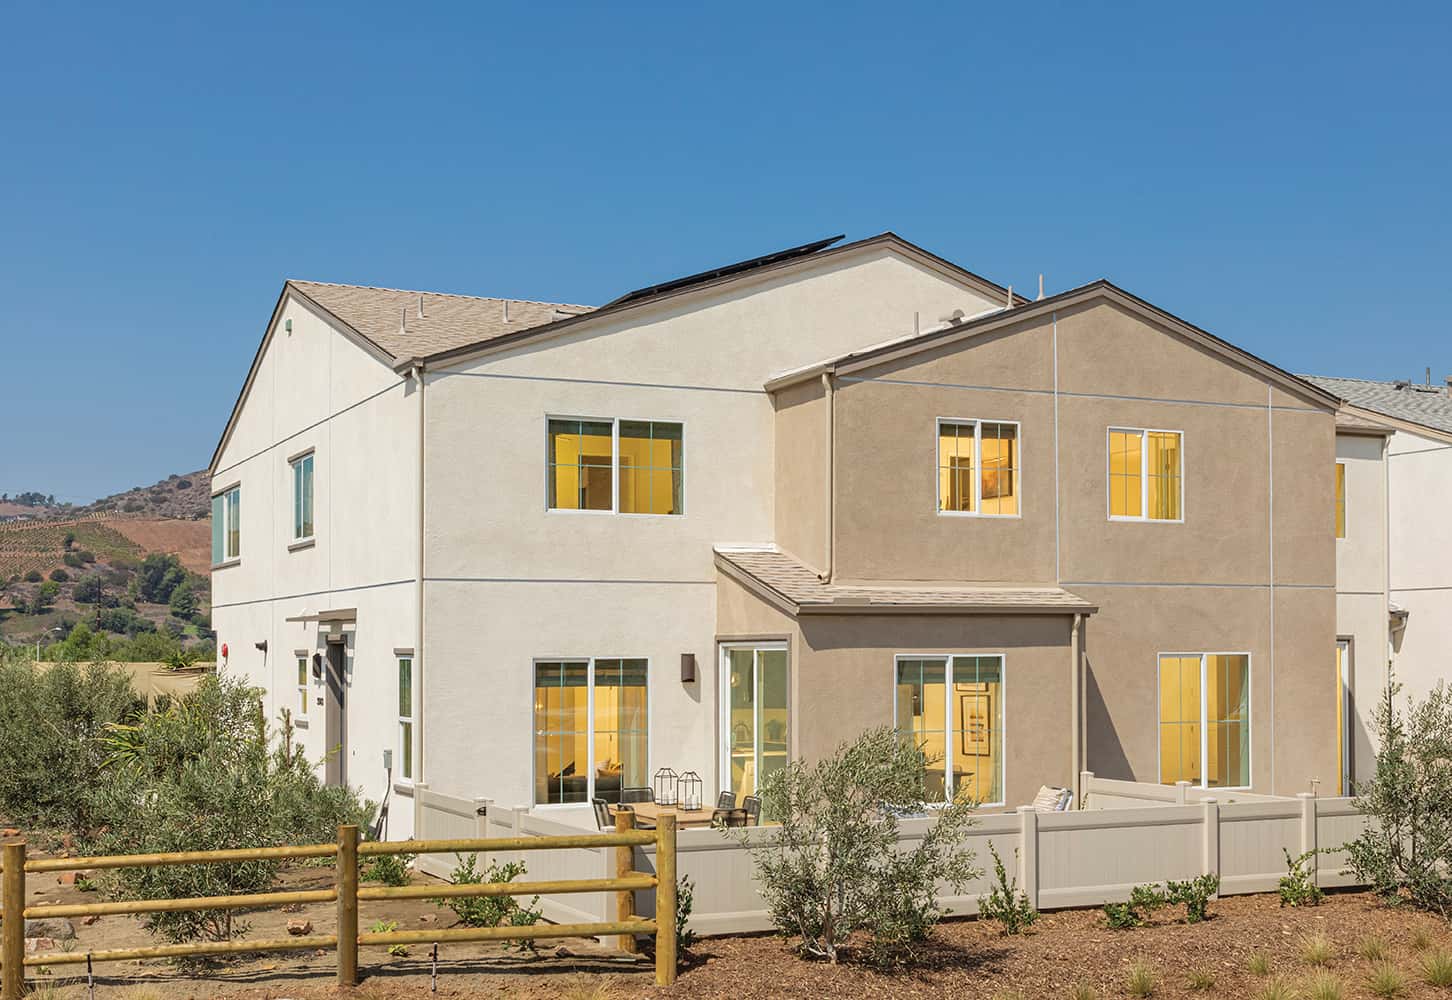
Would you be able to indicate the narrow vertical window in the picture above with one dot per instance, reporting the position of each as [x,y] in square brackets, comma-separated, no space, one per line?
[998,451]
[302,497]
[219,528]
[302,686]
[1146,475]
[581,465]
[226,530]
[955,466]
[1340,499]
[650,467]
[1204,724]
[405,718]
[1126,482]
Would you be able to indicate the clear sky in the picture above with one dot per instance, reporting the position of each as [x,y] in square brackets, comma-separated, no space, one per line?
[1276,173]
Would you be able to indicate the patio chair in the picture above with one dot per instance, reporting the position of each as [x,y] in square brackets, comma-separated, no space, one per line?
[751,806]
[728,817]
[637,795]
[603,818]
[726,800]
[1052,800]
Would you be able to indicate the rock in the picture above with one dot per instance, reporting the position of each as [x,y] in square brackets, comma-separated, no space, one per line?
[291,907]
[429,918]
[299,928]
[91,920]
[563,952]
[9,831]
[39,945]
[58,928]
[70,878]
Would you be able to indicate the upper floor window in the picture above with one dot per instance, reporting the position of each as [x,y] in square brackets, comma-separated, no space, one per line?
[1146,475]
[302,497]
[625,466]
[978,467]
[1340,499]
[226,530]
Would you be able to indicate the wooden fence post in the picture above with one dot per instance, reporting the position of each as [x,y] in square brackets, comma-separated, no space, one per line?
[665,900]
[1028,854]
[1210,817]
[624,865]
[12,906]
[1308,833]
[346,878]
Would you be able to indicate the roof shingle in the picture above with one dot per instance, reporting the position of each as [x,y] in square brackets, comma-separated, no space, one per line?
[1430,406]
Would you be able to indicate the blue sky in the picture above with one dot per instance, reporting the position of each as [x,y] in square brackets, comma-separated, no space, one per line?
[1278,174]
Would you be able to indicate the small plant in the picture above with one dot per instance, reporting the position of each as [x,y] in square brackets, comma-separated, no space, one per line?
[1317,949]
[1083,991]
[685,901]
[1298,885]
[1372,948]
[1200,980]
[587,987]
[1437,969]
[1276,989]
[1005,903]
[1324,986]
[490,911]
[1258,963]
[84,884]
[1421,939]
[390,869]
[1141,980]
[1386,981]
[1195,894]
[1143,900]
[388,927]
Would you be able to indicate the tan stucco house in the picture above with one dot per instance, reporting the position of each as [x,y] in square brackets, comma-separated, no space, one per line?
[535,552]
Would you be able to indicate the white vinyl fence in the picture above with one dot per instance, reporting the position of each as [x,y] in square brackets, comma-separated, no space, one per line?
[1128,835]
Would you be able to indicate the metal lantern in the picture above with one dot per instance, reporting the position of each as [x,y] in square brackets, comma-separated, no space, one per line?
[665,787]
[688,790]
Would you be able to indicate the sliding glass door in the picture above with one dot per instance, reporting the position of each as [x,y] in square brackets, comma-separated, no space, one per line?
[754,715]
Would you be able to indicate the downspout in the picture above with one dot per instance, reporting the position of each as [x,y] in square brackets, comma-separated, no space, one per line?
[1076,700]
[830,477]
[418,586]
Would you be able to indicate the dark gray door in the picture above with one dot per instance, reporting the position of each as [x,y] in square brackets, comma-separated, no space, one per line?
[335,718]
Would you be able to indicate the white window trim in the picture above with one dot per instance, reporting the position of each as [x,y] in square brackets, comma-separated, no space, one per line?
[614,423]
[413,682]
[1144,478]
[1346,648]
[305,688]
[977,423]
[302,541]
[723,690]
[590,721]
[951,714]
[227,560]
[1204,711]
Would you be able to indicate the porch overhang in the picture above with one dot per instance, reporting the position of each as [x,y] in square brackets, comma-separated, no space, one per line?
[327,617]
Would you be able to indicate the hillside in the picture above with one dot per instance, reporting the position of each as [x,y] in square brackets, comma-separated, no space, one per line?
[184,498]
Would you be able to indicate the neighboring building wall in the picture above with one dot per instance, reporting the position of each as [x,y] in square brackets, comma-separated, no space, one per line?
[509,582]
[1420,470]
[315,388]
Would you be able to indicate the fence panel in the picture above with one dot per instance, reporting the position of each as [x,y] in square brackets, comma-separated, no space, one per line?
[437,816]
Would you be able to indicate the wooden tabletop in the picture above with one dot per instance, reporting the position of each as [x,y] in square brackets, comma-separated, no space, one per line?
[651,811]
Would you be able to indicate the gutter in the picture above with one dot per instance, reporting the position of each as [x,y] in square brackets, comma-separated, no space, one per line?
[830,393]
[416,371]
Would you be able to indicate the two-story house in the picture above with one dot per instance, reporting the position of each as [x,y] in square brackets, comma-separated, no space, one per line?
[536,551]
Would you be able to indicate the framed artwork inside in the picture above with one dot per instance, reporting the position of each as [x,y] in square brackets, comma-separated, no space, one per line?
[975,715]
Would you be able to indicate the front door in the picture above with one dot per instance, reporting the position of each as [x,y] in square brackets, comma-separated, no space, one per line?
[754,715]
[335,718]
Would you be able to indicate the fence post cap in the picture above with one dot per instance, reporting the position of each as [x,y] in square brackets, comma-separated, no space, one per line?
[1024,809]
[1305,795]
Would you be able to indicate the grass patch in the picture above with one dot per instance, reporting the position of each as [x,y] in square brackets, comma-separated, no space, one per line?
[1276,989]
[1200,980]
[1421,939]
[1258,963]
[1083,991]
[583,987]
[1141,979]
[1317,949]
[1437,968]
[1372,948]
[1386,981]
[1324,986]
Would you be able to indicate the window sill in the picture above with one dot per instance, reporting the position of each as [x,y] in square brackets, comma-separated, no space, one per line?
[1145,520]
[227,564]
[302,543]
[403,788]
[300,723]
[986,517]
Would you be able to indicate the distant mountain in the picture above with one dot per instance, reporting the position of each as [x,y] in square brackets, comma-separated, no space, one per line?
[186,498]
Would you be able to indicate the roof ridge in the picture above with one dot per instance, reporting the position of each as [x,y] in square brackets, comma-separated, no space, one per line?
[424,291]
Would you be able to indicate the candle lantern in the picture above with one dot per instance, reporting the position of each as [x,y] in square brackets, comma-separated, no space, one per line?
[688,790]
[665,787]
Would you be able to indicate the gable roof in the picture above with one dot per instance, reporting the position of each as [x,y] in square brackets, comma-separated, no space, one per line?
[1429,406]
[796,589]
[1102,289]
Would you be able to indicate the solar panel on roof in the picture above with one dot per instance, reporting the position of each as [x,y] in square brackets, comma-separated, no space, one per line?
[721,272]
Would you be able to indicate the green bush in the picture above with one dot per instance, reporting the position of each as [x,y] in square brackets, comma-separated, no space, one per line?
[1298,886]
[59,575]
[1005,903]
[1405,852]
[1143,901]
[490,911]
[685,903]
[73,560]
[833,866]
[205,774]
[390,869]
[1195,895]
[32,576]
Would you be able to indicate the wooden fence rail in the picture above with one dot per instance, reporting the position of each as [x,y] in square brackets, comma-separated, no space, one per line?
[346,853]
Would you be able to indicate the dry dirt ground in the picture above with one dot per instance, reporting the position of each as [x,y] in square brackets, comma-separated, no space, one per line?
[189,541]
[967,959]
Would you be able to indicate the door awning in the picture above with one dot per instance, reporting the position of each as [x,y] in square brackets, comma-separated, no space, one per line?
[335,615]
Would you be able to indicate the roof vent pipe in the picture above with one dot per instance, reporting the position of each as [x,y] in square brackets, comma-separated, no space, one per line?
[403,320]
[420,305]
[1041,284]
[1010,298]
[506,310]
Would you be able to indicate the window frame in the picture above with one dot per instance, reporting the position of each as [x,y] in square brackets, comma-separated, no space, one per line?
[1144,477]
[1204,656]
[1340,507]
[412,718]
[590,721]
[723,706]
[977,423]
[614,509]
[223,494]
[951,712]
[293,462]
[304,690]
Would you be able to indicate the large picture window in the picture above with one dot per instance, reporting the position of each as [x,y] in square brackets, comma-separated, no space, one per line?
[226,529]
[1205,719]
[590,729]
[978,467]
[625,466]
[1146,475]
[952,707]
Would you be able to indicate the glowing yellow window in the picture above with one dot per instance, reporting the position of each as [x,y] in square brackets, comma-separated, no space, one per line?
[951,707]
[1340,499]
[978,467]
[998,485]
[1145,475]
[581,465]
[1204,722]
[650,467]
[955,466]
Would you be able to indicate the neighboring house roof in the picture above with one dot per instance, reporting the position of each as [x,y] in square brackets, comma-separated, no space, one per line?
[797,590]
[408,324]
[1103,289]
[1430,406]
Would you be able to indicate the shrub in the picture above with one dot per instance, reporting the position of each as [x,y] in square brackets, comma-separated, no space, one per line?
[685,902]
[1437,969]
[69,540]
[833,866]
[205,774]
[1406,851]
[1005,903]
[1140,980]
[159,575]
[1317,949]
[1325,986]
[32,576]
[490,911]
[387,927]
[183,601]
[1195,894]
[1143,901]
[1373,948]
[1200,980]
[1258,963]
[1298,885]
[59,575]
[1421,939]
[87,556]
[390,869]
[1387,981]
[72,560]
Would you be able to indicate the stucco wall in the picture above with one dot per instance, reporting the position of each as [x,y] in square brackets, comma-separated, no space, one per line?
[1421,571]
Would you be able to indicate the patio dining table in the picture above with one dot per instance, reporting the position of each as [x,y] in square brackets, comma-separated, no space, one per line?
[646,813]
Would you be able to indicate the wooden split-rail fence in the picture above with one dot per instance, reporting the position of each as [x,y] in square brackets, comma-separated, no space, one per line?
[346,853]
